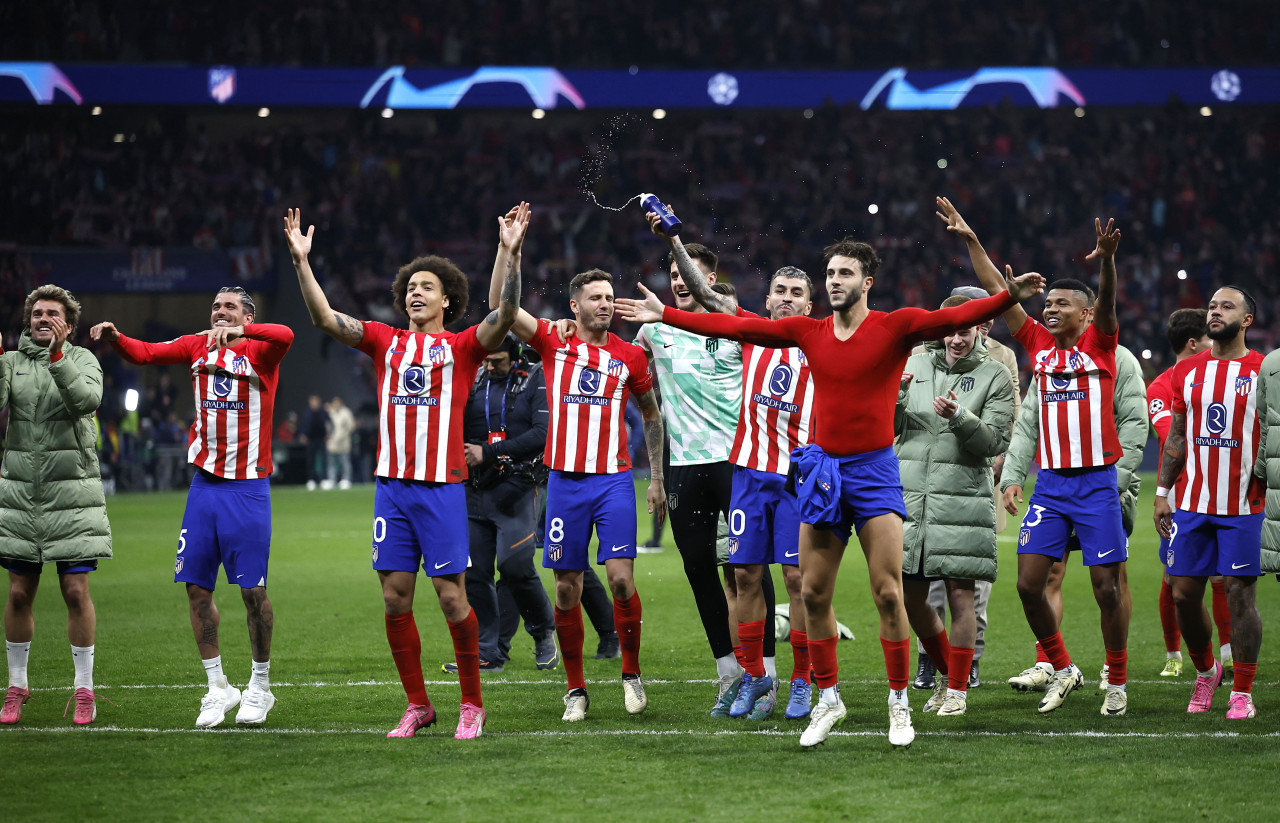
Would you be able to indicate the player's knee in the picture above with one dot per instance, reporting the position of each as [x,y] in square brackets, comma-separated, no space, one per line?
[1107,592]
[1030,591]
[815,598]
[888,597]
[77,598]
[621,587]
[21,596]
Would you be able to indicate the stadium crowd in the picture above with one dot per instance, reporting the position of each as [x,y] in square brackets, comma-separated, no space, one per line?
[1192,192]
[696,34]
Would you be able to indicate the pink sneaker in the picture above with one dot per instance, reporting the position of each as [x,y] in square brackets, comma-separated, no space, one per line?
[13,700]
[1202,692]
[1240,707]
[471,724]
[415,717]
[86,707]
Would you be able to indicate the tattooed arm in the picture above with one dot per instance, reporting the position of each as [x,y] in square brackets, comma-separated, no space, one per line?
[653,441]
[504,283]
[340,327]
[699,284]
[1172,462]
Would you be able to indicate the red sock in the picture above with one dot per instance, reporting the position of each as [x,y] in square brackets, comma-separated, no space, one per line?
[961,660]
[1243,682]
[751,636]
[1056,651]
[1041,657]
[738,655]
[626,617]
[1202,659]
[1117,667]
[406,651]
[1169,619]
[826,668]
[800,651]
[897,662]
[569,633]
[938,648]
[1221,614]
[466,651]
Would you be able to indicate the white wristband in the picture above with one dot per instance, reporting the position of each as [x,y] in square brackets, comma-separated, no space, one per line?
[1162,491]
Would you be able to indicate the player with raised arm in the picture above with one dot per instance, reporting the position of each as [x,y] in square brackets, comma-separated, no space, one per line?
[1188,334]
[590,378]
[234,367]
[1074,357]
[1213,436]
[848,478]
[424,376]
[774,419]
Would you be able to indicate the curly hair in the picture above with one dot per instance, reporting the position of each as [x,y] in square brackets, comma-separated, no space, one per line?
[452,280]
[70,305]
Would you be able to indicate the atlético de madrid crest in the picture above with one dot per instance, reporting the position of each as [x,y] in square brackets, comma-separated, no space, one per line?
[1244,385]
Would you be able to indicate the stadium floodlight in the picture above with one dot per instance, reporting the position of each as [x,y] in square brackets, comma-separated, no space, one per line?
[388,113]
[1205,111]
[538,114]
[873,209]
[942,162]
[1146,354]
[131,400]
[264,112]
[1079,111]
[96,111]
[1182,274]
[658,114]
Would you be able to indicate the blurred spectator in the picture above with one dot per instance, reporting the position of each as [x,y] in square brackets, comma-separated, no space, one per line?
[342,424]
[314,434]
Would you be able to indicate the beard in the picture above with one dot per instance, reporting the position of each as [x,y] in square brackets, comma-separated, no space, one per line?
[1227,332]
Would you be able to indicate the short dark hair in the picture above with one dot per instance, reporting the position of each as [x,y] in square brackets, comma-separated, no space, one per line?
[857,250]
[511,345]
[70,306]
[795,273]
[452,280]
[1071,284]
[955,300]
[580,281]
[727,289]
[699,253]
[1184,325]
[1250,305]
[245,299]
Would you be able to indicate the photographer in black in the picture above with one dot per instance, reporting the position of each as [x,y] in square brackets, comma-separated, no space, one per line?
[505,431]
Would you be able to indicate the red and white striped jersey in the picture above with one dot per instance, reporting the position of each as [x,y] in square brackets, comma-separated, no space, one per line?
[777,408]
[1076,389]
[1160,410]
[235,394]
[587,391]
[423,382]
[1220,401]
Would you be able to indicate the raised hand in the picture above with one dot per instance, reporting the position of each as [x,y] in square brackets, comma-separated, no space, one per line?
[955,223]
[646,310]
[299,243]
[655,226]
[512,227]
[946,406]
[1024,285]
[1108,240]
[105,331]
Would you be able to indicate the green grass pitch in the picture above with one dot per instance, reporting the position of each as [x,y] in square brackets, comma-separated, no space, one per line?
[323,755]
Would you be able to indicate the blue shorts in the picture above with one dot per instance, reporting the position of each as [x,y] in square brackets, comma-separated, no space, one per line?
[1086,500]
[870,485]
[575,503]
[29,569]
[1207,544]
[764,519]
[226,522]
[419,523]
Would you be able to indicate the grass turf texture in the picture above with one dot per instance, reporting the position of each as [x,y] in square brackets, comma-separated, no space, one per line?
[322,754]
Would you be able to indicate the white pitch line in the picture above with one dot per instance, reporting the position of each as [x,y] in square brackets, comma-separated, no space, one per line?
[652,733]
[500,681]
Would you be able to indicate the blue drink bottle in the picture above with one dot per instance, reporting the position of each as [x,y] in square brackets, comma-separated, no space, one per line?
[670,223]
